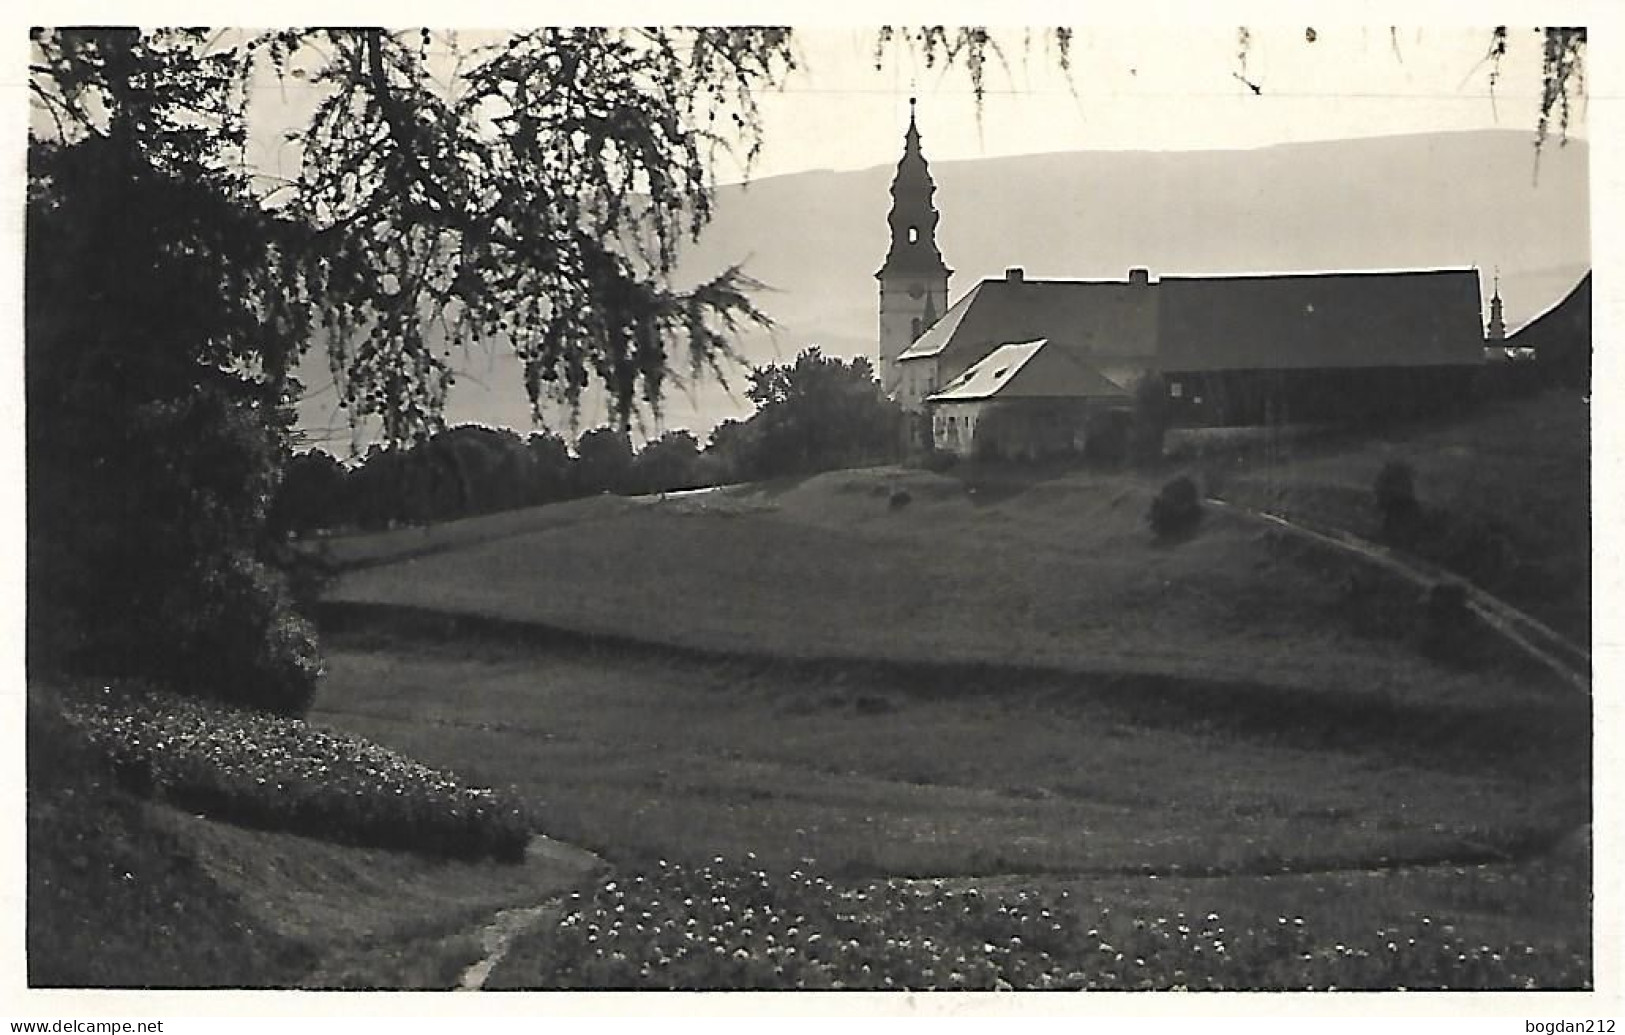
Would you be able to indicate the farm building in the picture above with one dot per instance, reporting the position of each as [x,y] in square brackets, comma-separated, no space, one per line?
[1030,399]
[1560,338]
[1231,350]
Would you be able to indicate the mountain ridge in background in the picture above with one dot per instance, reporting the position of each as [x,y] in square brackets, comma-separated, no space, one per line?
[1473,198]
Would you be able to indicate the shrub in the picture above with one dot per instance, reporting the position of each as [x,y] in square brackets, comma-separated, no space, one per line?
[1176,509]
[239,639]
[1395,491]
[900,498]
[284,774]
[157,371]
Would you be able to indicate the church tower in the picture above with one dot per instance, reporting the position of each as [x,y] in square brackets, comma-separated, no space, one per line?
[913,279]
[1498,327]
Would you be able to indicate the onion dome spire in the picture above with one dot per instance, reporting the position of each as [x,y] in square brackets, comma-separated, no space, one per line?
[913,218]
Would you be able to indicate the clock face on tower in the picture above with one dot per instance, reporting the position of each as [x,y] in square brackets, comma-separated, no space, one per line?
[916,290]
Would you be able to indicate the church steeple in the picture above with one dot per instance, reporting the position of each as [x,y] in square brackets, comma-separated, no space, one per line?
[1498,327]
[914,278]
[913,218]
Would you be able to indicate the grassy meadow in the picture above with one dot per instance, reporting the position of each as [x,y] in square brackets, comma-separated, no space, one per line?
[1004,687]
[998,736]
[1517,472]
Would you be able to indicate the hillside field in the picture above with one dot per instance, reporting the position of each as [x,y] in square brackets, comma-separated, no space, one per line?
[1004,680]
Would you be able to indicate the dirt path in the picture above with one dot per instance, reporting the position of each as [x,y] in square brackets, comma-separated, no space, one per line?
[497,936]
[1567,660]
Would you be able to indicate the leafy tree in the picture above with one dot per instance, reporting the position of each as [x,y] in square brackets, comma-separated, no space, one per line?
[158,346]
[311,496]
[552,468]
[538,200]
[476,470]
[819,413]
[542,199]
[729,451]
[604,461]
[669,462]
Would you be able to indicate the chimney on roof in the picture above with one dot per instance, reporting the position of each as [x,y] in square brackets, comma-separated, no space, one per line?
[1014,275]
[1139,276]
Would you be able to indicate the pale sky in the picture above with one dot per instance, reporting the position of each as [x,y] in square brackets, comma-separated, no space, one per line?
[1173,87]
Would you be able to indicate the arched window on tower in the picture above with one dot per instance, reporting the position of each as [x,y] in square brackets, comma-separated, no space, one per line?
[915,324]
[913,235]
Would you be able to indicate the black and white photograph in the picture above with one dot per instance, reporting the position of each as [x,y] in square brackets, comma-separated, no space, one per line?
[957,511]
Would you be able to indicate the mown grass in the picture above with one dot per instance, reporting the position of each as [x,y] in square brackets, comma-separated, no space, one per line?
[1515,471]
[1065,575]
[364,549]
[642,759]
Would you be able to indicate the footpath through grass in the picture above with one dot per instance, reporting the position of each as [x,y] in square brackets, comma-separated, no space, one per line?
[1509,487]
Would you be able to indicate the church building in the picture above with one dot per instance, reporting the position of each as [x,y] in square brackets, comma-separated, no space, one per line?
[1019,366]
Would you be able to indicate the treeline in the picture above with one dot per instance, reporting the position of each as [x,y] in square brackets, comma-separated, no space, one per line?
[816,414]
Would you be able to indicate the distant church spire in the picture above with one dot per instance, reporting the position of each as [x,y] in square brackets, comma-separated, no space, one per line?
[1498,327]
[913,278]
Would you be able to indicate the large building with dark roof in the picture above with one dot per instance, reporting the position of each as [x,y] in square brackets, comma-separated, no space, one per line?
[1228,349]
[1560,338]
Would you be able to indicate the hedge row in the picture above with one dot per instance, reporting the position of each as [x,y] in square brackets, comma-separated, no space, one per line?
[278,773]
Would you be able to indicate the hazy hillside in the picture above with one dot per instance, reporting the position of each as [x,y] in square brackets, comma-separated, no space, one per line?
[1455,199]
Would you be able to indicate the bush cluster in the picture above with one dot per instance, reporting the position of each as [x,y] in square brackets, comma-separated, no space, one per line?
[731,926]
[818,414]
[278,773]
[238,638]
[1470,545]
[158,372]
[1176,510]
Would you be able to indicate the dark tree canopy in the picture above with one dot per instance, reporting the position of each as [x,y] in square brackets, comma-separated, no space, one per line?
[540,199]
[817,414]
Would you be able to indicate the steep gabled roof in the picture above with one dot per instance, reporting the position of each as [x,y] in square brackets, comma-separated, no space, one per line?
[1029,370]
[1320,320]
[1569,315]
[1085,315]
[939,334]
[1275,321]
